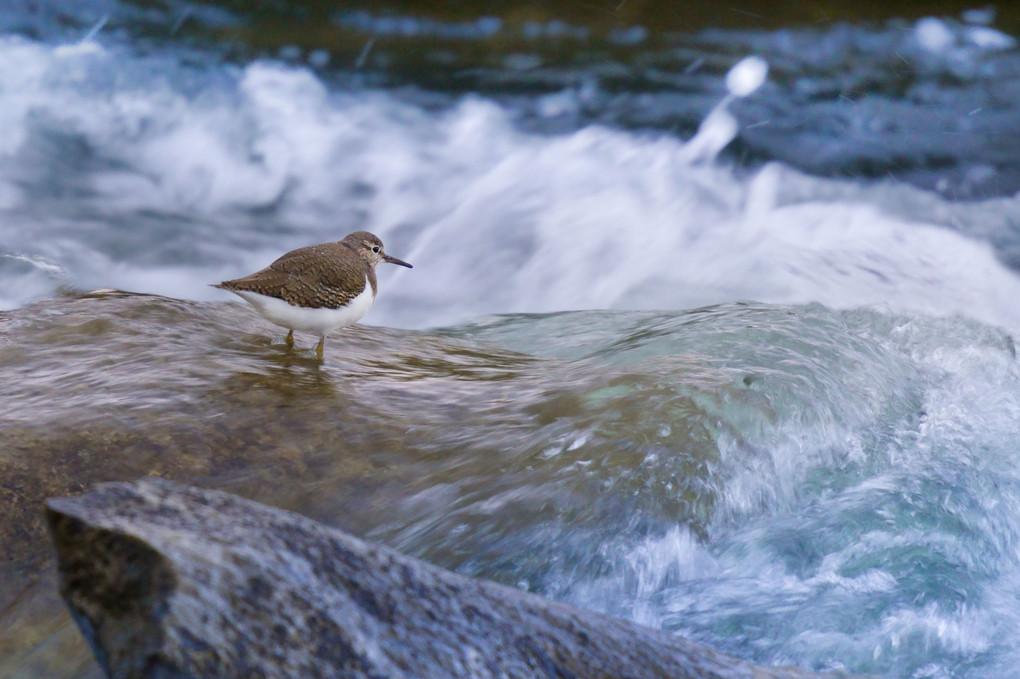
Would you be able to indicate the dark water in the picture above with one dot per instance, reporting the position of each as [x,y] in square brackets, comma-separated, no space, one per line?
[571,396]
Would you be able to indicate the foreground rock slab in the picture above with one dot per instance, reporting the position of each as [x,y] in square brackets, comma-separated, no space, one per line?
[168,581]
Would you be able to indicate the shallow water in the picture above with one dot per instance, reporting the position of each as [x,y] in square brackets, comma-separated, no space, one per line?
[570,396]
[790,484]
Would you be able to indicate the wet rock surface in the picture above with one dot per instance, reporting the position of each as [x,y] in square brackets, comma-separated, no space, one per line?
[96,388]
[173,581]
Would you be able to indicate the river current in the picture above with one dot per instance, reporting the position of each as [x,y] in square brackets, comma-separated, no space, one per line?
[710,330]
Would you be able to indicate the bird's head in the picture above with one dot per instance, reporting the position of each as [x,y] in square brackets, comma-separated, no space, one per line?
[370,248]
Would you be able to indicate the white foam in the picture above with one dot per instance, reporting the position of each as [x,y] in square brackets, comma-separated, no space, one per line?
[251,162]
[933,35]
[747,76]
[797,535]
[939,37]
[989,38]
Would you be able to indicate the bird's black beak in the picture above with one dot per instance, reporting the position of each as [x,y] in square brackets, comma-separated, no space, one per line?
[394,260]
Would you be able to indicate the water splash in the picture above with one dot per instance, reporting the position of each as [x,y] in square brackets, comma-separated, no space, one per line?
[30,276]
[720,127]
[149,174]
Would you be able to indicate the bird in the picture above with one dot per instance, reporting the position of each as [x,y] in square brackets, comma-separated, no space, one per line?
[318,288]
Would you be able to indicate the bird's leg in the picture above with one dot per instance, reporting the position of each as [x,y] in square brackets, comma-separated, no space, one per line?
[290,339]
[318,347]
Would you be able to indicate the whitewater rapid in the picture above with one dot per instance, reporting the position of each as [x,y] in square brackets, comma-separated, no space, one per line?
[150,174]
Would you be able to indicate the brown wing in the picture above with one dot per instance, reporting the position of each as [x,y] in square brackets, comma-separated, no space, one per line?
[328,275]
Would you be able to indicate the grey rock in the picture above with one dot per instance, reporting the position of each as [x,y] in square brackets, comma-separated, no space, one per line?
[168,581]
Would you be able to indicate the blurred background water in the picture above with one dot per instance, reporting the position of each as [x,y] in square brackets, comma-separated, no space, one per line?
[823,470]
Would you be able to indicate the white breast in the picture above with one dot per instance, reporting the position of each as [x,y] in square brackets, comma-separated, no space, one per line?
[319,321]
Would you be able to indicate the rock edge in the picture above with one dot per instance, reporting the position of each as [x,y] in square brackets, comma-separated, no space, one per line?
[170,581]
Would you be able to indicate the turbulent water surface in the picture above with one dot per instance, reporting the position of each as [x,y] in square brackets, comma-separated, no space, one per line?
[572,391]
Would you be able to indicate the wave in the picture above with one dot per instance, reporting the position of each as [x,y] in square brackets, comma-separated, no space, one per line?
[791,483]
[148,174]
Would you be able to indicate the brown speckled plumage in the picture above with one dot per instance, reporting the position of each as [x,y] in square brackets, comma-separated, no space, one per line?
[316,289]
[328,275]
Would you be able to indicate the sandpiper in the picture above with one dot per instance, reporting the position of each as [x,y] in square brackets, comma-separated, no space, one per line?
[318,288]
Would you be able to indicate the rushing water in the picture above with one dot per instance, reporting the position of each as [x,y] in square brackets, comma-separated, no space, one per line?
[828,476]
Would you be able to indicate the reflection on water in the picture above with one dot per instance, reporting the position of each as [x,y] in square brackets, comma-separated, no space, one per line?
[695,471]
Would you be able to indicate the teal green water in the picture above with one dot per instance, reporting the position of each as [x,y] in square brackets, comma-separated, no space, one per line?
[791,484]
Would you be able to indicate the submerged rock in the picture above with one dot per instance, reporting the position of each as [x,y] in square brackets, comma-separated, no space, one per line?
[172,581]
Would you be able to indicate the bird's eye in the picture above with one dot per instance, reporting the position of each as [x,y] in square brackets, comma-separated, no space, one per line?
[375,248]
